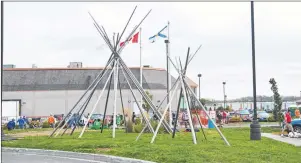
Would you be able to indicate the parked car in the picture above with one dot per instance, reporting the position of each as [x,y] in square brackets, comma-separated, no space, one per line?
[245,115]
[232,114]
[95,116]
[261,116]
[296,123]
[268,110]
[251,111]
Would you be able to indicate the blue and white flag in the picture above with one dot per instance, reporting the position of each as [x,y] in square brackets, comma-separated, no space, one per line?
[159,34]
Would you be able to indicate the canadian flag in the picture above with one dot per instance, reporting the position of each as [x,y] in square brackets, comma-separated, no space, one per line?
[134,39]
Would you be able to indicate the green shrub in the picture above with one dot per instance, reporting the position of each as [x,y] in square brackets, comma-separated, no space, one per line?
[155,124]
[4,126]
[271,119]
[121,122]
[138,121]
[46,125]
[138,128]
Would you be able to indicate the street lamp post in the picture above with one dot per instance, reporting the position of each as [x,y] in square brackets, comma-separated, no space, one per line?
[199,75]
[224,83]
[225,102]
[255,133]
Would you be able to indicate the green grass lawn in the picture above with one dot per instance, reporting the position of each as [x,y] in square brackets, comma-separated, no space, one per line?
[165,149]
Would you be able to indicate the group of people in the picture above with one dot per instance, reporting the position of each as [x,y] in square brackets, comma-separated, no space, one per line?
[222,117]
[287,123]
[22,122]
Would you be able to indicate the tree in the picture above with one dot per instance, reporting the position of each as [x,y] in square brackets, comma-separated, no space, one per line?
[205,101]
[220,108]
[145,105]
[277,100]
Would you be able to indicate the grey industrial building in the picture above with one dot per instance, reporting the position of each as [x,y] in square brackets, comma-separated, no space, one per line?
[41,91]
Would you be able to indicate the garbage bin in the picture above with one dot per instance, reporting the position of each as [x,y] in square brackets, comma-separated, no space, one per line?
[210,123]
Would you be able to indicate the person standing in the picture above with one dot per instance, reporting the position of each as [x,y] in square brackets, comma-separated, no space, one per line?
[51,121]
[297,113]
[21,123]
[227,116]
[26,122]
[118,120]
[88,125]
[133,117]
[185,118]
[224,116]
[11,125]
[219,118]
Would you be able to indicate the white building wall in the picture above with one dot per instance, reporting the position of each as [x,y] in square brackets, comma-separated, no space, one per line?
[43,103]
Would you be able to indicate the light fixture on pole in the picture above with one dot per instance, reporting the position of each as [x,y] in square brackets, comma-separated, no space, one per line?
[199,75]
[255,133]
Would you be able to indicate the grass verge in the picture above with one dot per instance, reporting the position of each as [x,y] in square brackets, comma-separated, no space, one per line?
[166,149]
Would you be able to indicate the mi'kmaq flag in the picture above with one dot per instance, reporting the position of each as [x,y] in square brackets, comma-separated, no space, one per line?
[133,39]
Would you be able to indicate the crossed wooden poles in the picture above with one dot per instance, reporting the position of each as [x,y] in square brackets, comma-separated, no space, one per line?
[114,66]
[117,64]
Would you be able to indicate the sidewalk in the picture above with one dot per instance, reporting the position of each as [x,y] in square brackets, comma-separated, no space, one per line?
[247,124]
[293,141]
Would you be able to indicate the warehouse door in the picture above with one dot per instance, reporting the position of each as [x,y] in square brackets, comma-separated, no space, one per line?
[10,109]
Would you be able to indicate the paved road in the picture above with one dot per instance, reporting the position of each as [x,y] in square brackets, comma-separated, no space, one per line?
[12,157]
[16,155]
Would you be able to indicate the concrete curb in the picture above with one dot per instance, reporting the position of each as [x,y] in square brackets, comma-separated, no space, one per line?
[88,156]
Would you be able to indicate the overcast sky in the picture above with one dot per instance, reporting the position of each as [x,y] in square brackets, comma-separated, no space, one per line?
[54,34]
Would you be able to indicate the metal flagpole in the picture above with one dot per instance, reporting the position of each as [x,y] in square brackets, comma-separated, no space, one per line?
[168,73]
[141,99]
[169,78]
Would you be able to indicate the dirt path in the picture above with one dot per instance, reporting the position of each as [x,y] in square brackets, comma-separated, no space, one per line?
[38,133]
[31,133]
